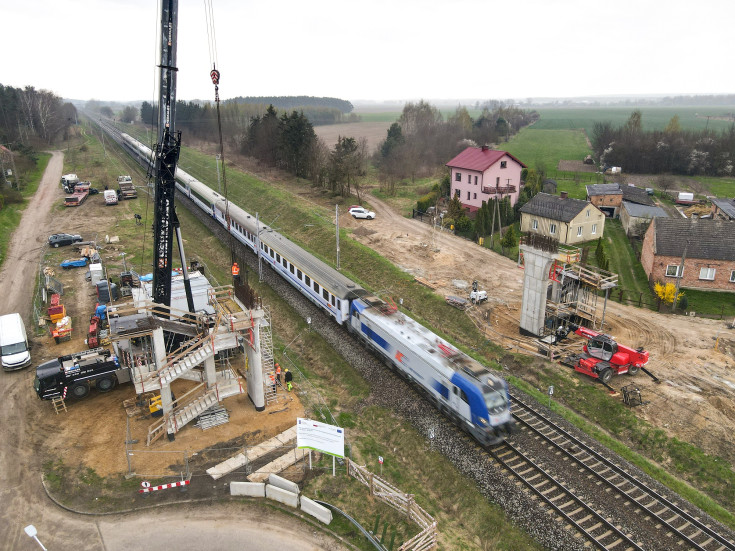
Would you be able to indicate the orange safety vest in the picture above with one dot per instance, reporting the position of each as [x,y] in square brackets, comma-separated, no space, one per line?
[278,369]
[235,269]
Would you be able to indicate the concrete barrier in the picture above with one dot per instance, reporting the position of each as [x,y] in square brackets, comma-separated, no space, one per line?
[251,489]
[282,496]
[317,511]
[280,482]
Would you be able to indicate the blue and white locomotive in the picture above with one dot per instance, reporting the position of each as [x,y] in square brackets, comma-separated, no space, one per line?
[460,387]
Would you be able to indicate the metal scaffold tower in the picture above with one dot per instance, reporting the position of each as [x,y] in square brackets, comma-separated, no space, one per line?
[266,358]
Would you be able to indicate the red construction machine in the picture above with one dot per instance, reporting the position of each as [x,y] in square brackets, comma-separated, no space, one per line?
[603,357]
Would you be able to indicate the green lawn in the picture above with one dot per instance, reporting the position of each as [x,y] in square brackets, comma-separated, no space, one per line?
[542,149]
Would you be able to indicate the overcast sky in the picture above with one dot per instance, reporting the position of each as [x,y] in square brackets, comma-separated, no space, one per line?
[375,49]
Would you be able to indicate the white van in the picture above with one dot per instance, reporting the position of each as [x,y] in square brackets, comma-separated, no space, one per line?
[13,342]
[110,197]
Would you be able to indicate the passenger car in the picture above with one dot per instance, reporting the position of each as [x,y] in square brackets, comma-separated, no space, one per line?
[360,212]
[61,239]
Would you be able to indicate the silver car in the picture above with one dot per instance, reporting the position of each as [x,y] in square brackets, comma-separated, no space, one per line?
[360,212]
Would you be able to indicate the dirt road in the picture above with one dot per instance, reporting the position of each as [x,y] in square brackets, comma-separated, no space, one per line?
[696,401]
[26,430]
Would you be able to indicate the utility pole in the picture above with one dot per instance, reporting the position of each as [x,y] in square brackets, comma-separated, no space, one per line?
[679,276]
[336,218]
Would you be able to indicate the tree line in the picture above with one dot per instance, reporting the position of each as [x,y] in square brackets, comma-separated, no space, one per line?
[28,115]
[421,141]
[668,151]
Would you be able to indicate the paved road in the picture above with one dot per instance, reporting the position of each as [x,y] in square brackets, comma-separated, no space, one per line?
[21,493]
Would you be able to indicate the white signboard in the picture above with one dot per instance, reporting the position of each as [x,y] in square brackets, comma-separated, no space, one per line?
[315,435]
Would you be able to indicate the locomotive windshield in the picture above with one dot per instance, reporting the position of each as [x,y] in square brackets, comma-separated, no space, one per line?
[495,401]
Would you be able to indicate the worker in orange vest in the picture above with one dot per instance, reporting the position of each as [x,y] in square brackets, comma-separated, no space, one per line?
[278,373]
[273,383]
[236,272]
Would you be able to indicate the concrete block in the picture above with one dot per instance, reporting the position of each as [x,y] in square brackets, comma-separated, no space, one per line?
[317,511]
[282,483]
[250,489]
[282,496]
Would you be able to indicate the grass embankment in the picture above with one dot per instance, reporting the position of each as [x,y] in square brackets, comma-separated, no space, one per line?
[10,213]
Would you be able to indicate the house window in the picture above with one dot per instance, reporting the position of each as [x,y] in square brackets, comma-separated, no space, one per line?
[503,164]
[552,228]
[588,213]
[468,195]
[474,195]
[534,224]
[707,273]
[457,176]
[672,270]
[475,180]
[594,229]
[469,178]
[456,193]
[579,231]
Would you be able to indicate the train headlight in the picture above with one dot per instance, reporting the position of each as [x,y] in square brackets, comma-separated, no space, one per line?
[483,422]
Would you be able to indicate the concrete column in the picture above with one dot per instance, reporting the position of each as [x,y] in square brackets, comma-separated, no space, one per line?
[537,264]
[159,348]
[210,373]
[255,370]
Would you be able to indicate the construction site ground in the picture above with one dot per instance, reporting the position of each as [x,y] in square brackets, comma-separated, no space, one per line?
[696,400]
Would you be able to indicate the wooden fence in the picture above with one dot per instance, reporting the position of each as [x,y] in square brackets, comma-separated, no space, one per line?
[424,540]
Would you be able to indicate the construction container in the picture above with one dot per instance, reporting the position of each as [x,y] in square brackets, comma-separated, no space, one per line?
[96,273]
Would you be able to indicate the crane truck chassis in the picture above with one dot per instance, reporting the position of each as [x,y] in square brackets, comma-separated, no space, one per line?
[603,357]
[75,374]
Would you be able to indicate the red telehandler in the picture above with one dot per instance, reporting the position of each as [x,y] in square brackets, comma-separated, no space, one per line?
[603,357]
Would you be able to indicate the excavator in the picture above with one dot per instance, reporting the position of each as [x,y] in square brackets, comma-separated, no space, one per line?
[603,357]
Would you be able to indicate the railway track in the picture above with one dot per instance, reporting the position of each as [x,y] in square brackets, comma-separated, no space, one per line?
[679,527]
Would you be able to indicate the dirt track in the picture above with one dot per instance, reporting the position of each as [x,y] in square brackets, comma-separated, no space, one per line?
[696,400]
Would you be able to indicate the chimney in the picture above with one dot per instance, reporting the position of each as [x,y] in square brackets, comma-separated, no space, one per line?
[485,148]
[563,194]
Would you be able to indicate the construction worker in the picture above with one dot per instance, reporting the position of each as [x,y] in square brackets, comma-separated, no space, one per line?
[289,377]
[278,373]
[273,382]
[236,272]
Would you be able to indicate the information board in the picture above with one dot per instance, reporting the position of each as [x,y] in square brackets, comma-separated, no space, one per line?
[315,435]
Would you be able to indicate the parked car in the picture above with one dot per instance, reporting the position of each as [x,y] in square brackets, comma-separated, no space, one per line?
[353,207]
[360,212]
[61,239]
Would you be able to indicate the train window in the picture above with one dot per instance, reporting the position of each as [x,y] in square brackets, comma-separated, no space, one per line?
[339,305]
[285,263]
[325,294]
[316,286]
[278,258]
[291,268]
[332,300]
[298,273]
[307,280]
[464,397]
[272,253]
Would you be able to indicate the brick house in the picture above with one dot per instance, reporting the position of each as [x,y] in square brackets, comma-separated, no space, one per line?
[570,221]
[482,174]
[710,254]
[609,197]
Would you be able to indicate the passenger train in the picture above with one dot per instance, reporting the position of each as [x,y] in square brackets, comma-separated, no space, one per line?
[458,385]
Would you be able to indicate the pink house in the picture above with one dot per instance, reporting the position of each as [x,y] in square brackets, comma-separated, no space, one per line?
[482,174]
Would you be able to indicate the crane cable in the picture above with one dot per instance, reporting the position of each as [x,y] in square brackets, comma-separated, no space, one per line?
[215,76]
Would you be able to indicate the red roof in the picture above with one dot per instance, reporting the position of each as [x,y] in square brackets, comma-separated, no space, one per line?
[479,159]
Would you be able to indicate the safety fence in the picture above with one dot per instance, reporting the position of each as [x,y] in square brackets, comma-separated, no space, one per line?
[402,502]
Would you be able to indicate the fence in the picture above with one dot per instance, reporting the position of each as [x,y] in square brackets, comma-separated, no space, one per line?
[427,538]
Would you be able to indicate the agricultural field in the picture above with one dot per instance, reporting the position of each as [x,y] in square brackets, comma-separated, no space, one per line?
[654,118]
